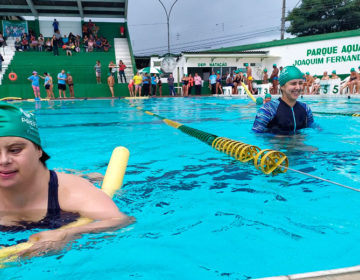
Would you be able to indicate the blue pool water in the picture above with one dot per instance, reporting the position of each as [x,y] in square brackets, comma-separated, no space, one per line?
[201,214]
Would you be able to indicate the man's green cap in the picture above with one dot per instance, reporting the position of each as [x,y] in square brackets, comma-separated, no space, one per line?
[274,65]
[290,73]
[268,95]
[246,64]
[69,73]
[265,70]
[333,71]
[218,72]
[14,122]
[352,70]
[307,73]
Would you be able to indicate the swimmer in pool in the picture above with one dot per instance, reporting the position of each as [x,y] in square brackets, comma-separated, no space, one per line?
[32,196]
[285,115]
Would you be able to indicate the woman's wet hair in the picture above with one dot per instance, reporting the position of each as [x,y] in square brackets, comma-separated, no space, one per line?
[44,157]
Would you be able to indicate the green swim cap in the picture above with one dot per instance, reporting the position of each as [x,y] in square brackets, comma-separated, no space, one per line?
[290,73]
[259,101]
[68,72]
[333,71]
[265,70]
[274,65]
[307,73]
[352,70]
[14,122]
[268,95]
[246,64]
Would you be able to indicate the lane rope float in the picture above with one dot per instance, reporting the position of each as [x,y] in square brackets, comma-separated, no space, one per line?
[338,114]
[112,182]
[267,161]
[248,92]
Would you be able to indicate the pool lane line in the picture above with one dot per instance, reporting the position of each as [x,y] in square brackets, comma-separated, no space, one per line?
[267,161]
[338,114]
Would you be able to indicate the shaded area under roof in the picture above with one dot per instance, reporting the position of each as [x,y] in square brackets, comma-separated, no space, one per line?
[65,8]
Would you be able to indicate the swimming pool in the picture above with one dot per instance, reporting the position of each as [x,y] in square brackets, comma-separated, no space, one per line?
[201,214]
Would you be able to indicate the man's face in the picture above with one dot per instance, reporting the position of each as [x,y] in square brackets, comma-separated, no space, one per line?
[293,89]
[19,159]
[62,71]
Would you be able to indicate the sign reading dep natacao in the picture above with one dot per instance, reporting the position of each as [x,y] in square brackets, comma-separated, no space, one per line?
[334,54]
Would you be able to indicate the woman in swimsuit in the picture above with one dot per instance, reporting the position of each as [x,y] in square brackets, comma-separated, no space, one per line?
[185,83]
[31,195]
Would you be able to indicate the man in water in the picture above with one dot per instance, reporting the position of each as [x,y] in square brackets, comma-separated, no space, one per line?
[32,196]
[285,115]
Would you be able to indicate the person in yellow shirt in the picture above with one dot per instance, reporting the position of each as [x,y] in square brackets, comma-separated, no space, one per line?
[137,82]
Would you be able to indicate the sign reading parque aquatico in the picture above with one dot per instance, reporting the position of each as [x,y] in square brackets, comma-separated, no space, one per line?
[212,64]
[333,54]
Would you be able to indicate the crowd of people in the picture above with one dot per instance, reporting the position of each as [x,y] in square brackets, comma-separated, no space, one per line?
[64,80]
[89,41]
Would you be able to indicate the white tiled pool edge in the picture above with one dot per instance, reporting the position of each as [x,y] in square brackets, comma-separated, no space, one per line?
[318,275]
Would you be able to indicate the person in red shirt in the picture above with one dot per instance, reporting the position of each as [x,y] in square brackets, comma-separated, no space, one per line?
[122,68]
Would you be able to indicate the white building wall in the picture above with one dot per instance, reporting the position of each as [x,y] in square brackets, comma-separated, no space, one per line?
[65,27]
[335,54]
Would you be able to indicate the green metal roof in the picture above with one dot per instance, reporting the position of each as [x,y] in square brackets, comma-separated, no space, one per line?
[290,41]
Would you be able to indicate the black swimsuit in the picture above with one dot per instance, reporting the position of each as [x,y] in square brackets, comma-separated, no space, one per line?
[55,217]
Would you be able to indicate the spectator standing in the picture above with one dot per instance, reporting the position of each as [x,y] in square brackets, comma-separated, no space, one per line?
[46,84]
[35,84]
[309,80]
[122,68]
[54,45]
[153,85]
[198,83]
[274,77]
[265,79]
[185,85]
[111,82]
[191,84]
[170,81]
[51,87]
[97,68]
[159,85]
[55,25]
[112,68]
[137,82]
[218,83]
[62,83]
[249,77]
[212,82]
[146,84]
[70,83]
[40,43]
[131,88]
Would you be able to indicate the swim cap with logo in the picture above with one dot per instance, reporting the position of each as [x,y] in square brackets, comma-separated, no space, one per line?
[352,70]
[265,70]
[333,72]
[14,122]
[290,73]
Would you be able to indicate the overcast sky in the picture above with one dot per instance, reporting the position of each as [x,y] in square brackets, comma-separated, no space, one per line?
[203,24]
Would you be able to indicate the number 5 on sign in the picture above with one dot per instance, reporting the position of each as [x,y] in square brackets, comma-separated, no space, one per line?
[330,86]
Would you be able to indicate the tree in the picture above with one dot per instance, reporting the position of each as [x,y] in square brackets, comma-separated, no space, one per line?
[324,16]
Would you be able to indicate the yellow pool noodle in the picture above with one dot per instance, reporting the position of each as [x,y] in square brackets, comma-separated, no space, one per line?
[248,92]
[112,182]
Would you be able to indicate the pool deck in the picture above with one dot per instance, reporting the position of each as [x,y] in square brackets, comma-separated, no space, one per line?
[348,273]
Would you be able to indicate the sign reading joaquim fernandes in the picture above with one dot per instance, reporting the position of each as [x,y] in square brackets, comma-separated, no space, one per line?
[332,54]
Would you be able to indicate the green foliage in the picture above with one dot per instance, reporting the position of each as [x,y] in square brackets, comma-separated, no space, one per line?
[324,16]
